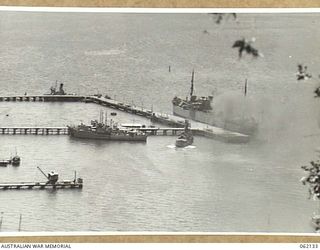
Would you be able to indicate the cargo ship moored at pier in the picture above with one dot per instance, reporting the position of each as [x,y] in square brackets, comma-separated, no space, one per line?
[200,109]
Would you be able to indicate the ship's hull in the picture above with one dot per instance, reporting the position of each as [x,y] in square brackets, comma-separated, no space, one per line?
[109,137]
[182,143]
[209,118]
[204,117]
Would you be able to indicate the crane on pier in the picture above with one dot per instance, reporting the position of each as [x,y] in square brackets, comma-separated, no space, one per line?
[52,176]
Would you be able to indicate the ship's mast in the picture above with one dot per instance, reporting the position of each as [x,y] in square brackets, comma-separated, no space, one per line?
[192,80]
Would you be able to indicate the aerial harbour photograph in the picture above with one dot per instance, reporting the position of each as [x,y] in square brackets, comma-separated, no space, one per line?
[159,122]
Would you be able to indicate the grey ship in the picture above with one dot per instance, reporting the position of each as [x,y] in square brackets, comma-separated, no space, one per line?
[54,91]
[200,109]
[186,137]
[101,131]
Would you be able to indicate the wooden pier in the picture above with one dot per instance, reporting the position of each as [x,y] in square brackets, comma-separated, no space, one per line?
[172,121]
[41,185]
[65,130]
[161,131]
[42,98]
[52,182]
[34,130]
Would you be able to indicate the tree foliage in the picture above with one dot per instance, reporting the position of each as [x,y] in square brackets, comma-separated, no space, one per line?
[312,179]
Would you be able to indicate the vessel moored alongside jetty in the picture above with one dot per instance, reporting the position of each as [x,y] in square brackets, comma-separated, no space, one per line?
[14,161]
[54,91]
[200,109]
[102,131]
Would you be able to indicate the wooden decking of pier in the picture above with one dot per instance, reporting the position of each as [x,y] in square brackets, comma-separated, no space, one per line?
[43,98]
[34,130]
[65,130]
[40,185]
[172,121]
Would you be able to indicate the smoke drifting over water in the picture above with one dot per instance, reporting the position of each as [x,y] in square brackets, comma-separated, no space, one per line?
[278,117]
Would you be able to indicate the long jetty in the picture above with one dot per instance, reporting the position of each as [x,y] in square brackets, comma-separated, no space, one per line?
[168,120]
[65,130]
[41,185]
[42,98]
[34,130]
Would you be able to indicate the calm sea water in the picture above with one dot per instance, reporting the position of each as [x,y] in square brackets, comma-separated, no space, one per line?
[210,187]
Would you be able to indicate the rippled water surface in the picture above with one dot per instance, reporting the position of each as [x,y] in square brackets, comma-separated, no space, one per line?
[208,187]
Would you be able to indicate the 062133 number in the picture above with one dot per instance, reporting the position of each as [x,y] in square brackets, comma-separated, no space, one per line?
[308,245]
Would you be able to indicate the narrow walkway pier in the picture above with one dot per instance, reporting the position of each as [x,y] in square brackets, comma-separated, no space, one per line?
[52,182]
[161,131]
[169,120]
[34,130]
[42,98]
[40,185]
[65,130]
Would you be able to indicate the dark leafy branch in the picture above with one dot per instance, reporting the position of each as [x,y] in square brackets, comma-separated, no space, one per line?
[312,179]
